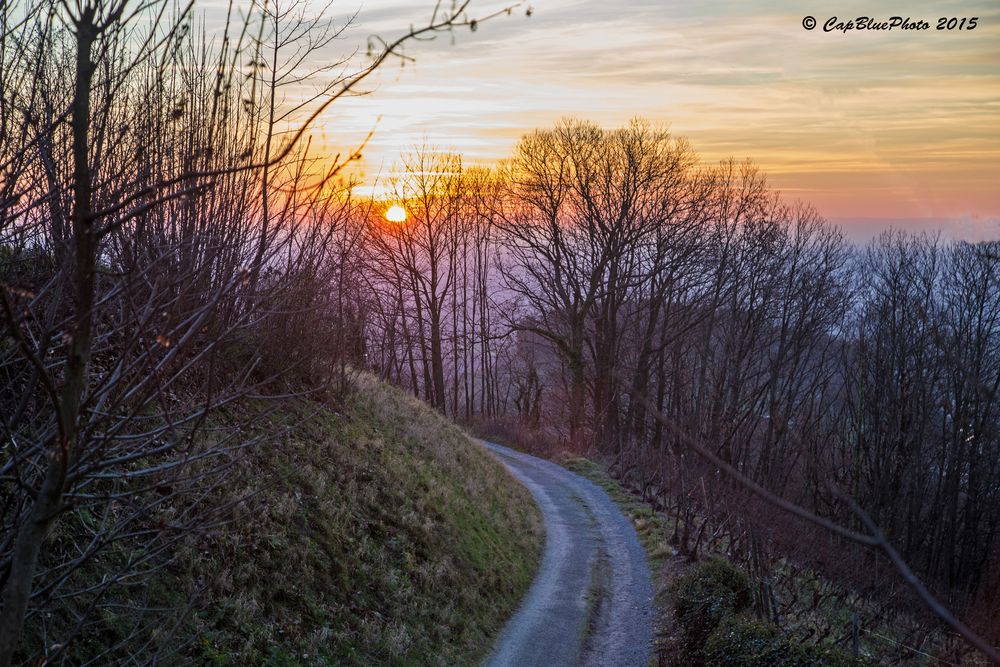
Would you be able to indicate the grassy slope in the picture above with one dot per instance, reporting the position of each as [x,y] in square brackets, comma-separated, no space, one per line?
[379,534]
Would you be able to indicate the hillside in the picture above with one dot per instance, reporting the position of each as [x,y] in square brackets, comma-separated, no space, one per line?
[377,533]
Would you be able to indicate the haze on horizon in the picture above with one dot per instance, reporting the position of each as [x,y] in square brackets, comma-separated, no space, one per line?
[875,129]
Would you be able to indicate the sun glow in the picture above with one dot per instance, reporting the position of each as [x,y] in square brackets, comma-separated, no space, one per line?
[396,213]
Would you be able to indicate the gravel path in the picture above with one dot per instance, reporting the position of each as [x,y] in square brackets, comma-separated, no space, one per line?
[592,600]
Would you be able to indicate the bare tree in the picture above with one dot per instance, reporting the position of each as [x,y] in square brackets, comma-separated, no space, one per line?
[418,257]
[577,234]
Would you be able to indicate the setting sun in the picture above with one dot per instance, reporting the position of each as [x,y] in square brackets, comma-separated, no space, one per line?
[396,213]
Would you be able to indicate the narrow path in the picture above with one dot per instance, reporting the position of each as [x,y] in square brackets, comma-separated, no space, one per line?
[592,600]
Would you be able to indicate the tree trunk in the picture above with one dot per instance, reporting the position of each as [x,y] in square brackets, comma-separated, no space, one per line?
[48,502]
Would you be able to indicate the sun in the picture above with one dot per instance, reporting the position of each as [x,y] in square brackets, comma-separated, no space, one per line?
[396,213]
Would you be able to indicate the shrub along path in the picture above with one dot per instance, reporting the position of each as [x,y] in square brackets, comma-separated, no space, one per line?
[592,600]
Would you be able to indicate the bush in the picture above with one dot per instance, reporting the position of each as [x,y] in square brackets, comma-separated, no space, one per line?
[739,641]
[709,602]
[704,597]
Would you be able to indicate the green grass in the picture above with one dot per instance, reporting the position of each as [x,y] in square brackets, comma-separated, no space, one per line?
[379,534]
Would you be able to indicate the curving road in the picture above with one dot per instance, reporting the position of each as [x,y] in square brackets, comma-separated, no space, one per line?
[592,600]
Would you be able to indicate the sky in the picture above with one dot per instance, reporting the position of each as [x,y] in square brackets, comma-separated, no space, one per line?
[874,128]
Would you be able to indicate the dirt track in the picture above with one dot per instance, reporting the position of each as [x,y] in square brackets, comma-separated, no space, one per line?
[592,600]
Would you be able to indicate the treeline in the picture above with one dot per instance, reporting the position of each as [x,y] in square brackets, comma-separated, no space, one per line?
[600,273]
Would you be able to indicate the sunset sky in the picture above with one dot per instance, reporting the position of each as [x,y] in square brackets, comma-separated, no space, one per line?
[873,128]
